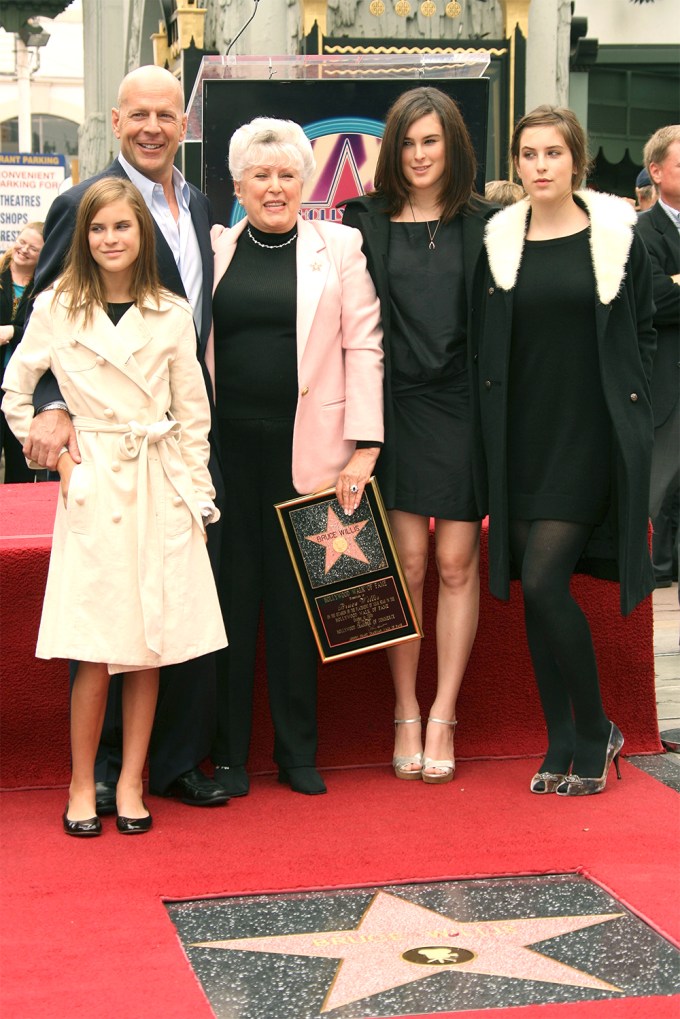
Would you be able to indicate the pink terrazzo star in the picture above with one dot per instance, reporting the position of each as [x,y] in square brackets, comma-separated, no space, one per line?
[398,942]
[339,539]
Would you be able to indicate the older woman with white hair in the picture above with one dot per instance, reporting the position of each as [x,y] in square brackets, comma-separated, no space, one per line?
[298,366]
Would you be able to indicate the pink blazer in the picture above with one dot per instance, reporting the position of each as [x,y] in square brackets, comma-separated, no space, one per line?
[339,349]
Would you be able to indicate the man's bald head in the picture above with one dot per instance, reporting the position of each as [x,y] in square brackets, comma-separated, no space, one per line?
[150,121]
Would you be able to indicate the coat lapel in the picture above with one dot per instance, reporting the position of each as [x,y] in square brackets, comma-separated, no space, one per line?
[118,344]
[224,248]
[611,235]
[668,230]
[312,271]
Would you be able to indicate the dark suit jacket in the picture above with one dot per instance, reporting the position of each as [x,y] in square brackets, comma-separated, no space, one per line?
[662,241]
[369,215]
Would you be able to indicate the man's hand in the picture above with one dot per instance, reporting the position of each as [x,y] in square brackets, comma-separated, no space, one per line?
[50,432]
[6,334]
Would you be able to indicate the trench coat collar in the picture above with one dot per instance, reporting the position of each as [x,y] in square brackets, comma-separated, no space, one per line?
[612,221]
[119,344]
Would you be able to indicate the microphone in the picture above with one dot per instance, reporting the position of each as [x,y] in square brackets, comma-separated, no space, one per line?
[239,34]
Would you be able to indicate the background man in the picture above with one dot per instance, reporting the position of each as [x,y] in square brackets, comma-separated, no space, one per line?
[659,227]
[150,123]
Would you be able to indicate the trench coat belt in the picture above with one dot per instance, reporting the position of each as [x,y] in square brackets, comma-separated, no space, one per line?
[135,439]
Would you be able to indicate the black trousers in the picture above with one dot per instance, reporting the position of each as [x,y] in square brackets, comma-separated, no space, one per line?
[256,576]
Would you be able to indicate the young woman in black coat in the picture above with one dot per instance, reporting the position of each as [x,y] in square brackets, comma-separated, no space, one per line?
[564,363]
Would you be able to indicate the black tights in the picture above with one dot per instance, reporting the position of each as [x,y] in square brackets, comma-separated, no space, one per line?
[561,645]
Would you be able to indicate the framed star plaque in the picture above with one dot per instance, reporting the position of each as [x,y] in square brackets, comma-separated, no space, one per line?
[349,573]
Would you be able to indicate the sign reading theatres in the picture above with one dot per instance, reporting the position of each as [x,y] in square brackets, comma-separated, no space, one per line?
[29,183]
[342,119]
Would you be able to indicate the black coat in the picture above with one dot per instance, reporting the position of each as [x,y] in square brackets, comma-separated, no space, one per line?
[618,548]
[662,241]
[6,303]
[369,215]
[6,351]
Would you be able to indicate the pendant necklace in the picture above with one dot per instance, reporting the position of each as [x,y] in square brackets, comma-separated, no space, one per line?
[432,233]
[271,247]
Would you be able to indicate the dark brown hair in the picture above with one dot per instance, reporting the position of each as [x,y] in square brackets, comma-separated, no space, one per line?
[458,181]
[567,124]
[82,279]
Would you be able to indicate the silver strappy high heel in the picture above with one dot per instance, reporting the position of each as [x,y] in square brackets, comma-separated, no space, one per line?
[402,763]
[445,769]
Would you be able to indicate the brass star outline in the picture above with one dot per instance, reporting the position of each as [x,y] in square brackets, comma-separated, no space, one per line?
[371,956]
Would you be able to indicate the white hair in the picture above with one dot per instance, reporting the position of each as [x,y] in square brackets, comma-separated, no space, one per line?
[266,141]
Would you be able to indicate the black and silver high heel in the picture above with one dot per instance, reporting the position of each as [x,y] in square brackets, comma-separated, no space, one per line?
[575,785]
[546,782]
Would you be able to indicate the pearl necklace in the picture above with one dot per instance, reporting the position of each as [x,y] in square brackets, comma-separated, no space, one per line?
[270,247]
[432,233]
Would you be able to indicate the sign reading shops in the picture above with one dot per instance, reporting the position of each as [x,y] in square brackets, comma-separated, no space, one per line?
[29,183]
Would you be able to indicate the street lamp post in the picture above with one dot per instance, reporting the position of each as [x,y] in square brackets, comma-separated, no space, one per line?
[20,18]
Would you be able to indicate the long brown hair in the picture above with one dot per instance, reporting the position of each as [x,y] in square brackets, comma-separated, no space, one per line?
[458,181]
[81,281]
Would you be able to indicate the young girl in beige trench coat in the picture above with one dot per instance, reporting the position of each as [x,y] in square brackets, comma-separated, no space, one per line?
[130,586]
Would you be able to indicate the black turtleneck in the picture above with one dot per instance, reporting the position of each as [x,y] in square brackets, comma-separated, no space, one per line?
[254,314]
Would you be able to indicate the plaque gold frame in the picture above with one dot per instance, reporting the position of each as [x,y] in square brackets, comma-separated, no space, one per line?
[348,571]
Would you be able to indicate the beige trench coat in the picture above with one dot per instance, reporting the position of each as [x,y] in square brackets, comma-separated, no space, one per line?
[129,582]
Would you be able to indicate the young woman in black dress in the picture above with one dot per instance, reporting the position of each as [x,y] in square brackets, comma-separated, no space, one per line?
[564,364]
[423,232]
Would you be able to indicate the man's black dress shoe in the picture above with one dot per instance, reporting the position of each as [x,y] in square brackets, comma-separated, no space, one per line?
[133,825]
[92,826]
[105,793]
[197,790]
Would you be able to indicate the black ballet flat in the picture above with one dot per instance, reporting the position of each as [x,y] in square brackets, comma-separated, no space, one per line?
[82,829]
[305,780]
[133,825]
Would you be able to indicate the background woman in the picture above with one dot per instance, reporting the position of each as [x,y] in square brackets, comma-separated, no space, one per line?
[129,586]
[423,233]
[298,376]
[564,366]
[17,267]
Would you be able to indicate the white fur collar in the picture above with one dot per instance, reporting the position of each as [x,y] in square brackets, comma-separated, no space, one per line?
[611,235]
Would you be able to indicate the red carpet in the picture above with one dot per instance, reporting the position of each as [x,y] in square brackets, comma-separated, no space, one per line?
[85,933]
[498,709]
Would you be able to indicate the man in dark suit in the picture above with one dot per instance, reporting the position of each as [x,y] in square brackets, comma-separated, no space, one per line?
[660,230]
[150,122]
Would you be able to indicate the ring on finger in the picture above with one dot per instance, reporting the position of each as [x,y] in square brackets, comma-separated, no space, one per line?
[354,489]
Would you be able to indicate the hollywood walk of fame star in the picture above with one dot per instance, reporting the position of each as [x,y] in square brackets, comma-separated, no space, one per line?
[339,539]
[398,942]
